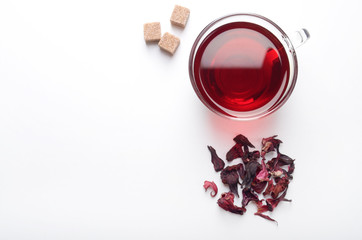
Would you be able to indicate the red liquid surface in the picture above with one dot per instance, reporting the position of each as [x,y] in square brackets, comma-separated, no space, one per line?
[241,67]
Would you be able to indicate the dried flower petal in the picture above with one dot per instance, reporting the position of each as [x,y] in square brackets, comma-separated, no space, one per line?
[273,203]
[284,160]
[271,164]
[218,162]
[270,144]
[208,184]
[235,152]
[230,176]
[250,170]
[263,175]
[258,186]
[281,185]
[240,169]
[291,170]
[242,140]
[248,196]
[226,202]
[261,209]
[269,188]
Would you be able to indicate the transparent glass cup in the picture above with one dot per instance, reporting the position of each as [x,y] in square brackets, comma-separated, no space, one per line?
[289,80]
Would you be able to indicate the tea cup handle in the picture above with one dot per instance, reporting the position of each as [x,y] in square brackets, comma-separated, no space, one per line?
[300,37]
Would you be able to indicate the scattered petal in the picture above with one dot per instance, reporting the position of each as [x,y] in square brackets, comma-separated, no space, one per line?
[291,170]
[240,169]
[263,175]
[273,203]
[242,140]
[258,186]
[281,185]
[235,152]
[226,202]
[270,144]
[248,196]
[230,176]
[261,209]
[208,184]
[285,160]
[250,172]
[269,188]
[218,162]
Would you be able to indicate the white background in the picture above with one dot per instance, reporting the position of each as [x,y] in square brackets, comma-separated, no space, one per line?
[102,136]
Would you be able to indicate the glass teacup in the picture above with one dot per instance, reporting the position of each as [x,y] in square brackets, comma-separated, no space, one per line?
[244,66]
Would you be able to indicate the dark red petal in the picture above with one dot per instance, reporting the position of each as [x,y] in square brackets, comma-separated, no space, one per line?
[226,202]
[230,176]
[291,169]
[235,152]
[242,140]
[270,144]
[218,162]
[265,216]
[269,188]
[273,203]
[240,169]
[281,185]
[261,209]
[248,196]
[250,170]
[258,186]
[271,164]
[208,184]
[285,160]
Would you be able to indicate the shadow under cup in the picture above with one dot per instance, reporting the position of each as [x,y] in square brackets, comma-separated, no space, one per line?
[243,66]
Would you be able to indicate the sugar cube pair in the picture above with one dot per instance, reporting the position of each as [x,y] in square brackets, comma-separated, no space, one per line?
[168,42]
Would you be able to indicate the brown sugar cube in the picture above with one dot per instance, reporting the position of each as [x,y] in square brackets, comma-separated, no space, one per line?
[179,16]
[169,43]
[152,31]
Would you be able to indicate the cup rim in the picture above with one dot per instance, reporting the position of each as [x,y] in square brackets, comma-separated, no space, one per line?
[292,78]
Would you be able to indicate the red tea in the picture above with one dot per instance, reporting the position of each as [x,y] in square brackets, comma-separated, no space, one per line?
[241,66]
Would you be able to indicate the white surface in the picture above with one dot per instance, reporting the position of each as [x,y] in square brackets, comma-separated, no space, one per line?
[102,136]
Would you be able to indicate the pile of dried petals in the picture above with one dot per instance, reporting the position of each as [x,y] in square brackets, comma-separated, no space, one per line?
[267,178]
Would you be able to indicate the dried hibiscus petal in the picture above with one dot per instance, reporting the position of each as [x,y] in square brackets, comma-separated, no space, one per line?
[281,185]
[261,209]
[242,140]
[273,203]
[235,152]
[291,170]
[270,144]
[250,172]
[271,164]
[269,188]
[263,175]
[284,160]
[218,162]
[230,176]
[258,186]
[208,184]
[248,196]
[226,202]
